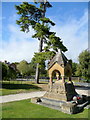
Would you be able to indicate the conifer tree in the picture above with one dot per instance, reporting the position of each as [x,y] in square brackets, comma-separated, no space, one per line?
[31,15]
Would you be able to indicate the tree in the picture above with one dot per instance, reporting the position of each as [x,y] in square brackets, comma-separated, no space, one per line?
[78,71]
[41,66]
[11,73]
[31,15]
[74,68]
[83,68]
[4,70]
[23,68]
[7,72]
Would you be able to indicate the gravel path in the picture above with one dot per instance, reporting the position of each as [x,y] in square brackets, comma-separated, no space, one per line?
[20,96]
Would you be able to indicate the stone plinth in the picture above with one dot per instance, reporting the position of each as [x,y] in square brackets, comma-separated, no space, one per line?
[61,91]
[66,107]
[69,108]
[59,96]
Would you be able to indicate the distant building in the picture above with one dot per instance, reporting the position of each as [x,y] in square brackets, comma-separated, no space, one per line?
[12,65]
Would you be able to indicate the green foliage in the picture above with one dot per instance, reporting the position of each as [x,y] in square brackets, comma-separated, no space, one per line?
[11,73]
[83,68]
[4,70]
[74,68]
[30,15]
[26,69]
[55,43]
[7,72]
[34,16]
[47,20]
[48,5]
[42,56]
[41,31]
[32,68]
[79,70]
[23,68]
[42,65]
[49,38]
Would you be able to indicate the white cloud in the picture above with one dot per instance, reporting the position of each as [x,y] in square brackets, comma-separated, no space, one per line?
[19,46]
[74,34]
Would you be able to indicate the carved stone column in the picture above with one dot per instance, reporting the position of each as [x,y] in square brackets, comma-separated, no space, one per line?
[50,76]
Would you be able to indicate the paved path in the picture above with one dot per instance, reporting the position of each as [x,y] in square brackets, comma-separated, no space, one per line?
[82,84]
[20,96]
[83,92]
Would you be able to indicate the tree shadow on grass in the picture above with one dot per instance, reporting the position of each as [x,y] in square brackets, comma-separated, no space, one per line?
[18,86]
[43,83]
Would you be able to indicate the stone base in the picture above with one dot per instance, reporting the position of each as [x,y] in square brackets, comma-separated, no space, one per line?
[69,108]
[66,107]
[61,91]
[59,96]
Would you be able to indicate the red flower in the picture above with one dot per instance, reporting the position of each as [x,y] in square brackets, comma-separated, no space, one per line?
[78,98]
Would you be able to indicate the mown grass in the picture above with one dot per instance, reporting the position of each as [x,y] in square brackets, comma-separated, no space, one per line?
[26,109]
[15,87]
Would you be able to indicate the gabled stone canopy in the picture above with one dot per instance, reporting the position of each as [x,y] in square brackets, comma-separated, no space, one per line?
[60,65]
[59,58]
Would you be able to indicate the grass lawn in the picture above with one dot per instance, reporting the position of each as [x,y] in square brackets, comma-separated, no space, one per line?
[26,109]
[14,87]
[18,87]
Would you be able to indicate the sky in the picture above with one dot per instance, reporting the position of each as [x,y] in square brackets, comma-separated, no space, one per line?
[71,20]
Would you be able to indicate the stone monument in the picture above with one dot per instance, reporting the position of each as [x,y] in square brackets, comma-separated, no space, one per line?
[60,90]
[60,94]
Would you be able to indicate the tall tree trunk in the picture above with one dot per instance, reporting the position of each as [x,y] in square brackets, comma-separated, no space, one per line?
[40,49]
[37,67]
[37,73]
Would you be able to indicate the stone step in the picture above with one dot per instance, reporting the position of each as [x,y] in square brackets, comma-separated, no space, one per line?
[52,102]
[63,106]
[50,106]
[56,108]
